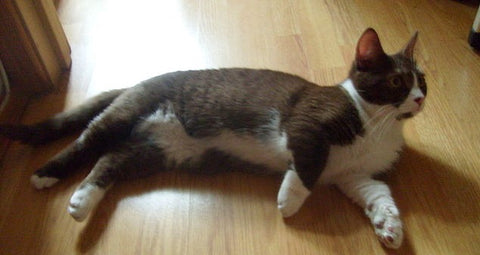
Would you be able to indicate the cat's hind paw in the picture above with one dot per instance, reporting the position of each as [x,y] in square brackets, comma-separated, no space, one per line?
[42,182]
[85,198]
[388,226]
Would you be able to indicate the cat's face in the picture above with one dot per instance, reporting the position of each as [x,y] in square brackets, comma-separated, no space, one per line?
[393,81]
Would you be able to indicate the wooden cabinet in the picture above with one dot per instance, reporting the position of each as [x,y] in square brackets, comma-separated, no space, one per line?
[33,46]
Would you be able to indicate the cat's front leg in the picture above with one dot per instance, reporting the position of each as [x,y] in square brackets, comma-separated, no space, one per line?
[375,198]
[299,181]
[292,194]
[310,152]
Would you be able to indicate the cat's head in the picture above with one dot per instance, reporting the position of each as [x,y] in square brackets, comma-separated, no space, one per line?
[393,81]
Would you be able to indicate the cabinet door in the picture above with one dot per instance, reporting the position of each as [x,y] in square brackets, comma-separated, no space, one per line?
[33,46]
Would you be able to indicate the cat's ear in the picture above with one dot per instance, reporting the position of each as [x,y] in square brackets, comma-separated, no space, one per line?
[410,47]
[369,50]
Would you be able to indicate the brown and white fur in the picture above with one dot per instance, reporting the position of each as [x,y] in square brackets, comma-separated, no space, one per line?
[340,134]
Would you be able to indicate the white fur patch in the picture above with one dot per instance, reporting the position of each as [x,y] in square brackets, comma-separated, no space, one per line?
[178,146]
[42,182]
[351,167]
[372,152]
[387,224]
[292,194]
[83,200]
[375,197]
[410,105]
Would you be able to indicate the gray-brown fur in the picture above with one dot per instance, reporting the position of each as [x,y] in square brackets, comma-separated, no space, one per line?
[62,124]
[241,100]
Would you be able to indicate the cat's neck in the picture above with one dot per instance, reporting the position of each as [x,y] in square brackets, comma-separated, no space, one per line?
[368,112]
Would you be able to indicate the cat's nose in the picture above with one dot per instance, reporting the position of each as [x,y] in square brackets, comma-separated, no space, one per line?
[419,100]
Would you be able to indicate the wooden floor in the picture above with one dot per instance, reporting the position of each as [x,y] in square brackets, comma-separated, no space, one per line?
[118,43]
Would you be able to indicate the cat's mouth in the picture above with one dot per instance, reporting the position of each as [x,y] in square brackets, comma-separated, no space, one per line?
[410,111]
[410,114]
[406,115]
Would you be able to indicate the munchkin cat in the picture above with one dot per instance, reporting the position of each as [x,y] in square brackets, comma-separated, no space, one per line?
[340,135]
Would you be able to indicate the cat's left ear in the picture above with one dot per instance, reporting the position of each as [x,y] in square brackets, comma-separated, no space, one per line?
[410,47]
[370,54]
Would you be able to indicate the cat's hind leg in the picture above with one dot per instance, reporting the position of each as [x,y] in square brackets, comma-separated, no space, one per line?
[134,158]
[93,188]
[62,165]
[375,198]
[107,130]
[86,197]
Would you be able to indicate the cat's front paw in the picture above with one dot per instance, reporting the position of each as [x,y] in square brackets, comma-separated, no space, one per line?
[292,194]
[387,224]
[288,206]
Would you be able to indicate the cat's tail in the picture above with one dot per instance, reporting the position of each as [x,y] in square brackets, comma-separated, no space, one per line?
[62,124]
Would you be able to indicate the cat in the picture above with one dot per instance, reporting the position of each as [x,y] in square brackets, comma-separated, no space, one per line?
[340,135]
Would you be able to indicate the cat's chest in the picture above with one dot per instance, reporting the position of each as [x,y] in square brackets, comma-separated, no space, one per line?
[371,153]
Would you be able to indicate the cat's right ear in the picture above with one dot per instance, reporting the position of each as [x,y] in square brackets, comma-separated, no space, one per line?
[369,50]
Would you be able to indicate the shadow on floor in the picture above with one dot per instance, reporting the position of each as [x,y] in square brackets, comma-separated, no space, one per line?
[420,185]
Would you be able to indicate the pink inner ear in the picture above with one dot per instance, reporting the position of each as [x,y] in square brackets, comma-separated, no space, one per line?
[364,51]
[369,46]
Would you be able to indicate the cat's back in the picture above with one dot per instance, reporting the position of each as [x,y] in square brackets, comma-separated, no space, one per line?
[235,87]
[239,86]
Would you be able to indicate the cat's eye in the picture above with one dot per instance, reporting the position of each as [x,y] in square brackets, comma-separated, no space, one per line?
[396,81]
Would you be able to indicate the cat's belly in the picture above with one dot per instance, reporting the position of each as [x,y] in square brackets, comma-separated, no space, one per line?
[167,132]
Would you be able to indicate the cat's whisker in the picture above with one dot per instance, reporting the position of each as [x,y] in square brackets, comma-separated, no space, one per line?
[376,118]
[390,120]
[376,114]
[383,125]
